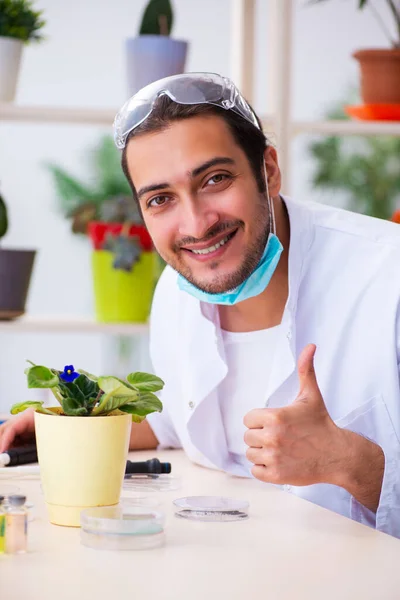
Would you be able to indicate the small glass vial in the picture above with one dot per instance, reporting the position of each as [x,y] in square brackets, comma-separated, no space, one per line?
[2,526]
[16,525]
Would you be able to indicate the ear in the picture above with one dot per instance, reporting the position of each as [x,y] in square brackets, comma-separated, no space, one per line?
[273,171]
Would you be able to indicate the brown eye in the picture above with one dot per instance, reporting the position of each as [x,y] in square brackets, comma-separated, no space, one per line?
[215,179]
[157,201]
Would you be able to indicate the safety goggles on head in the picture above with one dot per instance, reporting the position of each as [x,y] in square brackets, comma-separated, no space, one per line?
[189,88]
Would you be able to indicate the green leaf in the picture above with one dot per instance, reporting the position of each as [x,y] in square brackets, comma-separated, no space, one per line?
[135,418]
[72,193]
[3,218]
[18,20]
[70,390]
[157,18]
[88,375]
[126,250]
[73,408]
[41,377]
[145,382]
[83,390]
[109,403]
[91,403]
[87,386]
[21,406]
[107,173]
[116,386]
[146,404]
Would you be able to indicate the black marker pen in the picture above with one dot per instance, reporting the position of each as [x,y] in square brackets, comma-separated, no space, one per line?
[19,456]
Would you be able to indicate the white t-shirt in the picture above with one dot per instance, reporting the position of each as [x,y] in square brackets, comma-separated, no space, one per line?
[249,358]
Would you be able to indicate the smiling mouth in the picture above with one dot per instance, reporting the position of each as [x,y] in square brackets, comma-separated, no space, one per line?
[214,247]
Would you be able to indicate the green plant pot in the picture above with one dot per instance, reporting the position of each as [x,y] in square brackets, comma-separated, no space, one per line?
[120,296]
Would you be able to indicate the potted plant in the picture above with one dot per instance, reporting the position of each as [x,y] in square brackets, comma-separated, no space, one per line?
[15,273]
[153,54]
[19,25]
[83,443]
[363,169]
[380,67]
[124,264]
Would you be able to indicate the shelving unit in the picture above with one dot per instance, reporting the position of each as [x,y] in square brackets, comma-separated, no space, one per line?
[53,114]
[61,324]
[285,129]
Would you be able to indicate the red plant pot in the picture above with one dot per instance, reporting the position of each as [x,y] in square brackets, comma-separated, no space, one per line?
[97,231]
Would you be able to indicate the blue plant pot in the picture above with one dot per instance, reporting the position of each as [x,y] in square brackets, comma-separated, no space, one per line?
[152,57]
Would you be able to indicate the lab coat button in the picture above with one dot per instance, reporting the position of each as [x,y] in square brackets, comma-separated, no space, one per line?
[289,335]
[191,405]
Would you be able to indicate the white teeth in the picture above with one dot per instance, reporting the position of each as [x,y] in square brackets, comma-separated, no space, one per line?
[212,248]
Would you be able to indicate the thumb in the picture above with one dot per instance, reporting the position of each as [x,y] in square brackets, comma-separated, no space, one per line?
[305,367]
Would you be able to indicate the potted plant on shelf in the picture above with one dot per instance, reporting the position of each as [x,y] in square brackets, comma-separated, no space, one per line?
[380,67]
[19,25]
[153,54]
[15,273]
[362,169]
[83,443]
[124,263]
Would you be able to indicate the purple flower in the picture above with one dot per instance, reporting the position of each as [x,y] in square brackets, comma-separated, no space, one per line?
[69,374]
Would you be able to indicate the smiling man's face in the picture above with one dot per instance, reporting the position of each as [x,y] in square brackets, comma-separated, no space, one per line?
[200,201]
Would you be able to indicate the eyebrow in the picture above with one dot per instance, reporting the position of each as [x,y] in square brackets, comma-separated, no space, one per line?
[218,160]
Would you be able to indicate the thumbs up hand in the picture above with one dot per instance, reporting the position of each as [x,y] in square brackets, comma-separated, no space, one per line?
[298,444]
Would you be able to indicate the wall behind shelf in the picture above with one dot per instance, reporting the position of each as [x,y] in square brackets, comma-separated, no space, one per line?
[82,64]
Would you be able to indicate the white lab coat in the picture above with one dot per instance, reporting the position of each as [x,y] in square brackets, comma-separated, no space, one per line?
[344,296]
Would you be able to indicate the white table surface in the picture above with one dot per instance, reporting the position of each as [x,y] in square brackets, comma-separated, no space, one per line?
[287,549]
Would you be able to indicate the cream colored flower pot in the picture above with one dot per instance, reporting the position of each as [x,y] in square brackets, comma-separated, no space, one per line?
[82,462]
[10,59]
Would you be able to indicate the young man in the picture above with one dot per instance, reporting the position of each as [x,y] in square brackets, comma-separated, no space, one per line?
[255,283]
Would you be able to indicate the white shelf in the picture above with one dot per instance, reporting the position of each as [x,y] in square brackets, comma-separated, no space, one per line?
[105,117]
[344,127]
[74,325]
[53,114]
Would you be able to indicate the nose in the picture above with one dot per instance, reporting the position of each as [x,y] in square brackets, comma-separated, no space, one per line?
[196,218]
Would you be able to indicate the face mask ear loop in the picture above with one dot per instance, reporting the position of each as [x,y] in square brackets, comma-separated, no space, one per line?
[270,205]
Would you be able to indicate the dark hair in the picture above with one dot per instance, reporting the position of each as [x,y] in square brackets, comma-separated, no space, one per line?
[250,139]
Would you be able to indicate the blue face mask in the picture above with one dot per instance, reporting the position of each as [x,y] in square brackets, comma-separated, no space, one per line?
[252,286]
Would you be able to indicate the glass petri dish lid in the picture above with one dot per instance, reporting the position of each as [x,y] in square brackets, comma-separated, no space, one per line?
[122,527]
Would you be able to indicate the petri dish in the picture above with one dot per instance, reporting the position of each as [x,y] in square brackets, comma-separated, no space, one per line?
[211,508]
[122,527]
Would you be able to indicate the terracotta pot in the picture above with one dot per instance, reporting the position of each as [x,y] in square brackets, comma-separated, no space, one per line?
[380,75]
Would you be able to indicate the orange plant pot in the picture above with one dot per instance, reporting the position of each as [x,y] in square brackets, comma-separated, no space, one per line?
[380,75]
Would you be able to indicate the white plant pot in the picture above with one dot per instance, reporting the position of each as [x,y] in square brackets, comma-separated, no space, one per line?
[153,57]
[10,59]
